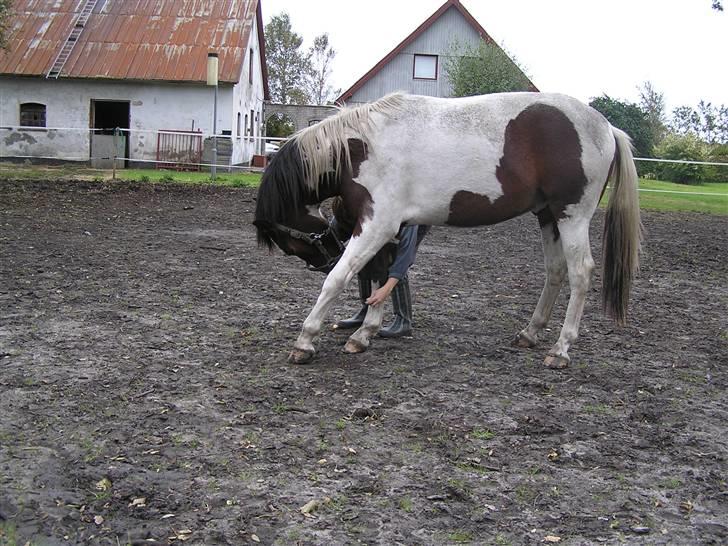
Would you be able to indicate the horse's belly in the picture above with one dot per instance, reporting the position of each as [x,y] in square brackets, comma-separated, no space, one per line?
[473,209]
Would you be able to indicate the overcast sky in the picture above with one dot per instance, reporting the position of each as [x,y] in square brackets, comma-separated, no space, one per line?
[580,47]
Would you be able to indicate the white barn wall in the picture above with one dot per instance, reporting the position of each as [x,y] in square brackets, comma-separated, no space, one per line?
[68,105]
[153,106]
[247,97]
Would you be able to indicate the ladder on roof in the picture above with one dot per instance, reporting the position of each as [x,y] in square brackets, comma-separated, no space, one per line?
[70,42]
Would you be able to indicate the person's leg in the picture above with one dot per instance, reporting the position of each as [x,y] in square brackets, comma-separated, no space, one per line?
[365,290]
[402,306]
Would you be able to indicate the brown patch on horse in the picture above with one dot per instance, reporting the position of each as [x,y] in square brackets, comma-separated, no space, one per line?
[541,163]
[545,219]
[356,198]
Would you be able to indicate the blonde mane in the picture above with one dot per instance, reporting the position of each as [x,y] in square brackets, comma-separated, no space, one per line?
[321,145]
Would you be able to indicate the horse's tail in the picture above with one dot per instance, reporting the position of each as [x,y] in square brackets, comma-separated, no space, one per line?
[622,231]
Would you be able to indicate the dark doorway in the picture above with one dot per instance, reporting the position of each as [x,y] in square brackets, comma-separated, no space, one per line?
[106,116]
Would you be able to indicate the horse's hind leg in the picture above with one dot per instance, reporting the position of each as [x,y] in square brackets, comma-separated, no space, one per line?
[359,340]
[579,262]
[555,273]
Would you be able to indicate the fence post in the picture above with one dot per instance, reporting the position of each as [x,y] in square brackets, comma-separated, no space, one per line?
[116,148]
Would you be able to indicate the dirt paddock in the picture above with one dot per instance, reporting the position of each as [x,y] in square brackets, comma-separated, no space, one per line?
[145,395]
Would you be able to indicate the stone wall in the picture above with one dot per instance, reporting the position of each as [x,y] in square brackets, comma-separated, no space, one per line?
[301,115]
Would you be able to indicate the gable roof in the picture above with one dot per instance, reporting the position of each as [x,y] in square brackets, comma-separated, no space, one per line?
[163,40]
[346,95]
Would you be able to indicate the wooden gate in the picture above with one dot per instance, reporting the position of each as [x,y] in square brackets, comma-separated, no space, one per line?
[179,150]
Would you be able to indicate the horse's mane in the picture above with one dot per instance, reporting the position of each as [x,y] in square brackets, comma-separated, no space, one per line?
[310,158]
[322,145]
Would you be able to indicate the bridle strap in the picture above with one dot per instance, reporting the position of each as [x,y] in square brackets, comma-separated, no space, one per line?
[316,240]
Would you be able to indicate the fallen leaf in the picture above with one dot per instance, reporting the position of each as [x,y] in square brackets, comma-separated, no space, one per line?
[167,516]
[184,534]
[309,507]
[552,539]
[255,538]
[98,520]
[103,484]
[140,501]
[312,505]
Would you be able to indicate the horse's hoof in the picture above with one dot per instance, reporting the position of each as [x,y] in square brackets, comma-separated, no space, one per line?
[523,341]
[354,346]
[300,356]
[556,362]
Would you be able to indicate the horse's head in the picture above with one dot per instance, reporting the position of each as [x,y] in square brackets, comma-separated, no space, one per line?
[306,235]
[287,213]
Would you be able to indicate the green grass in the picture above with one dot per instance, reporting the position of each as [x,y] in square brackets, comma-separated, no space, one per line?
[480,434]
[671,197]
[716,202]
[76,172]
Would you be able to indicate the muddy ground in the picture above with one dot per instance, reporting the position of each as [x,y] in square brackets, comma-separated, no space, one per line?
[145,395]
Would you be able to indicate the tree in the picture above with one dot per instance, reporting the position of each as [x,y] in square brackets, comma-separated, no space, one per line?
[321,57]
[707,122]
[287,65]
[279,125]
[630,118]
[482,69]
[5,13]
[718,5]
[684,120]
[686,147]
[652,104]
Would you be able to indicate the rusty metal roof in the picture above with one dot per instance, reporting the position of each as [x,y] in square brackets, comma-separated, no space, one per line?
[165,40]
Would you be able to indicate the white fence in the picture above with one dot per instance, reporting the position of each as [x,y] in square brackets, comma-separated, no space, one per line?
[142,147]
[103,148]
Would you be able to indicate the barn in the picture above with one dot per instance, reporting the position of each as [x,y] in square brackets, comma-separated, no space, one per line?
[75,70]
[417,64]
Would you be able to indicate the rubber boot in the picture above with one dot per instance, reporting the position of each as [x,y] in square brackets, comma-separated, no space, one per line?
[365,290]
[402,306]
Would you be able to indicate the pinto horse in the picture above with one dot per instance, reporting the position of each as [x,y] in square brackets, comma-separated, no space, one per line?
[472,161]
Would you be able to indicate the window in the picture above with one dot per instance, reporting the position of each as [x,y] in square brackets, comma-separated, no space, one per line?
[32,114]
[239,127]
[252,124]
[425,67]
[250,66]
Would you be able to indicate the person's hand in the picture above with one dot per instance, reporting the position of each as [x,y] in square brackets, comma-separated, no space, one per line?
[381,294]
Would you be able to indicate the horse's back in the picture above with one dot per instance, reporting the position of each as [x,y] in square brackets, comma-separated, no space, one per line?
[481,160]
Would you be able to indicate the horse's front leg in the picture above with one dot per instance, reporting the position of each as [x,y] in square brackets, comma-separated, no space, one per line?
[358,252]
[358,342]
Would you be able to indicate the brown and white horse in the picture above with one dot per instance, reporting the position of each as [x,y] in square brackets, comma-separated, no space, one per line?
[460,162]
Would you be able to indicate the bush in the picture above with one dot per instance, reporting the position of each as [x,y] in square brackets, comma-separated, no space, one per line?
[717,153]
[483,69]
[686,148]
[631,119]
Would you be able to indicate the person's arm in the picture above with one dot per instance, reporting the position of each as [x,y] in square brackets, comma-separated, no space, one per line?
[381,294]
[406,251]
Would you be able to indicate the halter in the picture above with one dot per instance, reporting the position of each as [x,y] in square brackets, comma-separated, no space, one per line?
[316,240]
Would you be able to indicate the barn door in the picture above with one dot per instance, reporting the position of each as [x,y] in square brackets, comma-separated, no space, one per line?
[107,115]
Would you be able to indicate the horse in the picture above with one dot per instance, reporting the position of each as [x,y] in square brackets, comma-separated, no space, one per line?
[461,162]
